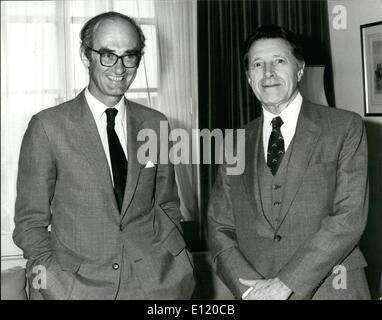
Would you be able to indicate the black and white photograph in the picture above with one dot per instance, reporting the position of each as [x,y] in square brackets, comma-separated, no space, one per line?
[191,155]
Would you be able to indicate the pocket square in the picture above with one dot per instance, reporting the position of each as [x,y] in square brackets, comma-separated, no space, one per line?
[149,164]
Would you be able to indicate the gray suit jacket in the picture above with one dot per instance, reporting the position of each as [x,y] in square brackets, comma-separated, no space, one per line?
[92,249]
[323,213]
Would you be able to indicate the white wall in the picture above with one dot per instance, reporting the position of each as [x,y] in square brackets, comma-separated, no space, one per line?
[346,52]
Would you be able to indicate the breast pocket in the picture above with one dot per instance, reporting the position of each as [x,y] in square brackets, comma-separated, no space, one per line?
[319,182]
[322,169]
[146,187]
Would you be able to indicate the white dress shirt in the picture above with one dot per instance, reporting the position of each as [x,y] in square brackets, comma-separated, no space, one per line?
[289,116]
[98,110]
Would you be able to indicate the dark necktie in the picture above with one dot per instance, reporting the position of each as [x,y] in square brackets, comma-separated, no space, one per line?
[117,157]
[275,145]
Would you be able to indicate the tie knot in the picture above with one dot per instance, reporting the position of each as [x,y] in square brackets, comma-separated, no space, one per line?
[277,122]
[110,115]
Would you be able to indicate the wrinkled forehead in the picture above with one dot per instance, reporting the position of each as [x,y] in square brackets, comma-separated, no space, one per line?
[115,32]
[268,47]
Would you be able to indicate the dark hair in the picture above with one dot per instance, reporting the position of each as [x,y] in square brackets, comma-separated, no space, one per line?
[87,31]
[272,31]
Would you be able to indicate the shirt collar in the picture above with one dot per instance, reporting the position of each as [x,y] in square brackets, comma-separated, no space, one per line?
[289,115]
[98,108]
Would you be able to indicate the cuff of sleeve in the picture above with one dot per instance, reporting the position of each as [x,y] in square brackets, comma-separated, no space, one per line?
[304,290]
[246,293]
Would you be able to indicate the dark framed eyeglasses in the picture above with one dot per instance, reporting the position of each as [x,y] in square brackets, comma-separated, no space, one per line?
[109,59]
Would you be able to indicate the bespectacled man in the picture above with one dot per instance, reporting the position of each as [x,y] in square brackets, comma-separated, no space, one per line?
[115,222]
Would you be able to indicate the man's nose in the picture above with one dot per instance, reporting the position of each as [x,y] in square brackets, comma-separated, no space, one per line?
[119,68]
[268,70]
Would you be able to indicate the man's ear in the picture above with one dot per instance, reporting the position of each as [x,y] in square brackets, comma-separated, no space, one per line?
[300,72]
[248,77]
[84,58]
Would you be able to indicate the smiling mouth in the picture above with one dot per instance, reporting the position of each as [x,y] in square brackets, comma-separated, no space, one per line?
[270,85]
[115,78]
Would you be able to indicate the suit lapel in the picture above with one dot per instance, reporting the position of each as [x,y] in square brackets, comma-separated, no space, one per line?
[89,143]
[304,143]
[250,176]
[134,167]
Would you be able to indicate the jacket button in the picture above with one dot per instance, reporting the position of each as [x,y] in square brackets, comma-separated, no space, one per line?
[121,227]
[115,266]
[277,238]
[276,203]
[276,186]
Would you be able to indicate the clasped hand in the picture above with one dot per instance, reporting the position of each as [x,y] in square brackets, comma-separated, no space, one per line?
[269,289]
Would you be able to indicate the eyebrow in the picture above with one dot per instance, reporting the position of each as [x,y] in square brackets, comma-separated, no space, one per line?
[255,60]
[105,49]
[274,56]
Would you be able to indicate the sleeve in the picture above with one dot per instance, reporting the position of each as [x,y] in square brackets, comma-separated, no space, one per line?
[167,203]
[35,189]
[341,230]
[229,262]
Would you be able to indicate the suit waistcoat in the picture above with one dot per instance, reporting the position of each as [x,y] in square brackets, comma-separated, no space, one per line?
[272,187]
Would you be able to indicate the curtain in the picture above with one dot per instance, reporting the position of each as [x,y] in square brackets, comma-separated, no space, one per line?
[29,83]
[225,98]
[177,90]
